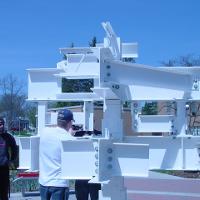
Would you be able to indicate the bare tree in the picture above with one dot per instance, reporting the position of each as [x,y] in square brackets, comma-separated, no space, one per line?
[186,61]
[31,110]
[12,98]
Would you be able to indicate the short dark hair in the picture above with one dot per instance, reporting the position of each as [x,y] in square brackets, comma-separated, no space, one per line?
[62,123]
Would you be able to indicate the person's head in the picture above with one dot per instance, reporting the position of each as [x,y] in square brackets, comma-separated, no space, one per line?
[2,122]
[65,119]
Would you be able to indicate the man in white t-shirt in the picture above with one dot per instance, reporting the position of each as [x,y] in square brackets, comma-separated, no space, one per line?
[51,186]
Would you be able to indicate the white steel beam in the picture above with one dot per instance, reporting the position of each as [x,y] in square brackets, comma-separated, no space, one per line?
[88,111]
[112,124]
[41,116]
[171,152]
[139,82]
[181,118]
[114,190]
[161,186]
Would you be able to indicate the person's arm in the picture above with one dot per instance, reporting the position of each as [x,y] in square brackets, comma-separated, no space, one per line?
[13,148]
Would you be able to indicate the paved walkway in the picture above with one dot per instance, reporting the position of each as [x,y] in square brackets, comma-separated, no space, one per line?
[18,196]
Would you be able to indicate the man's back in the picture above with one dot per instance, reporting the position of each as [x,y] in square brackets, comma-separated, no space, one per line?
[50,157]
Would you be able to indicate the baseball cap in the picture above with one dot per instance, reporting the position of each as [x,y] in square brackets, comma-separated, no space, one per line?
[65,115]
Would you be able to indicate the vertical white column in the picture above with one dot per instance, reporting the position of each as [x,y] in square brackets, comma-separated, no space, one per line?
[96,82]
[88,110]
[34,147]
[136,108]
[112,124]
[181,126]
[112,128]
[114,190]
[181,118]
[42,107]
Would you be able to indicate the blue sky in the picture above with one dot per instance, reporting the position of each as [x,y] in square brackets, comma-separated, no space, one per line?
[32,31]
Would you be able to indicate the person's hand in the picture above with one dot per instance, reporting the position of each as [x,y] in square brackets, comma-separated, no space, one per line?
[72,132]
[11,165]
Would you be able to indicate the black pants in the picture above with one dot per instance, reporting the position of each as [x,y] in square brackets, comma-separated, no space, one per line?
[83,189]
[4,182]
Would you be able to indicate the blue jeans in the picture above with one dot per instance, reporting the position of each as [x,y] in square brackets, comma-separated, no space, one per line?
[54,193]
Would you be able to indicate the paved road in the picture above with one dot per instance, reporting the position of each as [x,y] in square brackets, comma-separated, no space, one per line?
[18,196]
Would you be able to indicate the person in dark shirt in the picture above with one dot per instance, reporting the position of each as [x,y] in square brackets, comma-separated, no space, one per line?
[8,155]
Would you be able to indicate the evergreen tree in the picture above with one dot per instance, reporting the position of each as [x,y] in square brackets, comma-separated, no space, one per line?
[150,108]
[93,42]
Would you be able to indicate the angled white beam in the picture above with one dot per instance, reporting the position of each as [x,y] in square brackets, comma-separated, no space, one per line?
[140,82]
[112,41]
[137,74]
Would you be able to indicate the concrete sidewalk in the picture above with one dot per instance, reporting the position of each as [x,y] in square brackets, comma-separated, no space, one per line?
[18,196]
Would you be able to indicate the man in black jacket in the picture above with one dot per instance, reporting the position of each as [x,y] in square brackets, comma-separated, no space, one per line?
[8,154]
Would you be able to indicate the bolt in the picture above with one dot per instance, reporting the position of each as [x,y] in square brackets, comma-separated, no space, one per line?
[195,86]
[117,87]
[96,171]
[108,74]
[96,149]
[108,66]
[109,150]
[96,156]
[97,163]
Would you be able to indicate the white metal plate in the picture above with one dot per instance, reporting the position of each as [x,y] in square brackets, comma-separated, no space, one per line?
[122,159]
[77,159]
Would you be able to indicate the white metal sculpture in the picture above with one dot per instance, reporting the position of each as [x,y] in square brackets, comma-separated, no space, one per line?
[113,156]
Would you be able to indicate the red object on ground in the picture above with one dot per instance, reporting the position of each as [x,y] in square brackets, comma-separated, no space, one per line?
[28,174]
